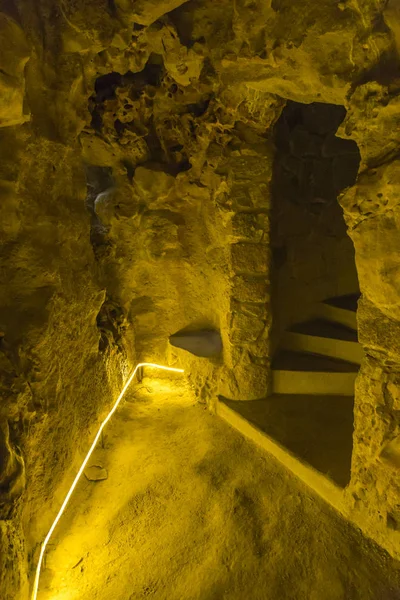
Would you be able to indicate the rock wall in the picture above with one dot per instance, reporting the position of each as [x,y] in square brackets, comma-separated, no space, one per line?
[371,210]
[54,382]
[137,154]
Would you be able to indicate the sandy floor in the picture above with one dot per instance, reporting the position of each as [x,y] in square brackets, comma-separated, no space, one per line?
[190,510]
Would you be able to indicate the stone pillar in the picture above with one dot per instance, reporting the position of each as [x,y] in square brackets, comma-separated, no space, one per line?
[247,357]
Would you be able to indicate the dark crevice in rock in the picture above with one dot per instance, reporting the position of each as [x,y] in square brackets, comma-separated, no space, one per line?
[111,323]
[386,71]
[12,472]
[112,8]
[106,85]
[151,75]
[384,159]
[208,73]
[200,107]
[10,8]
[100,189]
[130,169]
[138,27]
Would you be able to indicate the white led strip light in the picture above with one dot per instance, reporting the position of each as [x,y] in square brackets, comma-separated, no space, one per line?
[78,475]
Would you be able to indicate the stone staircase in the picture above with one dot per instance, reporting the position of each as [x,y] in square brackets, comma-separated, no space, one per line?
[321,355]
[307,421]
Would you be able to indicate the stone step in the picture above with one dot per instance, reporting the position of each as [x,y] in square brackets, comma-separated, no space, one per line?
[322,337]
[327,329]
[309,382]
[342,316]
[286,360]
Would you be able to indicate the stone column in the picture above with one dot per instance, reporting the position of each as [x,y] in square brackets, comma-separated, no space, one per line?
[247,357]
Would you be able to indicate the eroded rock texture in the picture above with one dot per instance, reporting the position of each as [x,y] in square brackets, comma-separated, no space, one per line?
[137,154]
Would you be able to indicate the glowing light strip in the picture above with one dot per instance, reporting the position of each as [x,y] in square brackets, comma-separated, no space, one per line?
[78,475]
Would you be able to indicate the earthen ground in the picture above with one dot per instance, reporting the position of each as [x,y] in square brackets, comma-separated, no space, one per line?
[191,510]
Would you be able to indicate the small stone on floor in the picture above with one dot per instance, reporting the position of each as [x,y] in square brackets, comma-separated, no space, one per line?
[96,473]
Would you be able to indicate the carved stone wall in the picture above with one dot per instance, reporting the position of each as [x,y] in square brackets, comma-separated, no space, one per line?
[371,209]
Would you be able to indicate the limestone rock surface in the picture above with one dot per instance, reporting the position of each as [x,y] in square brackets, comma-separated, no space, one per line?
[137,153]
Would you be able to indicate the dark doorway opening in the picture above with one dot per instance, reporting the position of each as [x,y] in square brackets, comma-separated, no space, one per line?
[315,289]
[313,257]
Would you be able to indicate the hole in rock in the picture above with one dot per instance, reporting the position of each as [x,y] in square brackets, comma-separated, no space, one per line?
[105,86]
[199,108]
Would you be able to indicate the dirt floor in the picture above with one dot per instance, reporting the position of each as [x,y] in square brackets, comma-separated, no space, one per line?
[191,510]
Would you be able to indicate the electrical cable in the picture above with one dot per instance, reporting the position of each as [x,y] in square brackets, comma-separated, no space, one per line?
[85,461]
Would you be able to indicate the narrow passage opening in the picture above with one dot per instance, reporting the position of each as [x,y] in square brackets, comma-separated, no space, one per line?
[313,257]
[316,355]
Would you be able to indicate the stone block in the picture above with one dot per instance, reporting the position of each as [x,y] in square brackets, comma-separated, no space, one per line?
[250,195]
[250,226]
[260,196]
[252,309]
[260,348]
[376,193]
[240,196]
[245,328]
[250,258]
[250,289]
[246,226]
[263,220]
[247,381]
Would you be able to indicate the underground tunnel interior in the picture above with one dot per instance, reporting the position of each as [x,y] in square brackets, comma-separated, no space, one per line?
[214,188]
